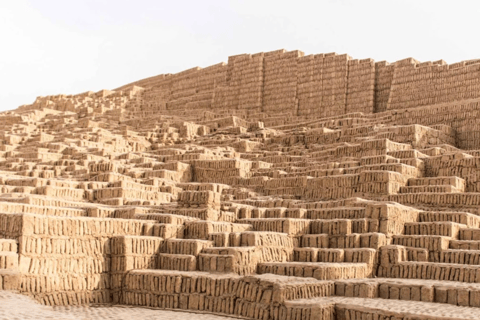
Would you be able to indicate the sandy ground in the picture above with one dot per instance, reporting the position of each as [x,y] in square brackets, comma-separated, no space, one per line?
[18,307]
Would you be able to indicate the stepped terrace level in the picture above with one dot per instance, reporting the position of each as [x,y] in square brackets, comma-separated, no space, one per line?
[276,186]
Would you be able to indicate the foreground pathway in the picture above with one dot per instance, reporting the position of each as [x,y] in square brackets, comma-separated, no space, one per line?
[19,307]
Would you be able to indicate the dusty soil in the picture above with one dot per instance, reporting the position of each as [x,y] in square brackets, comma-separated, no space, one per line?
[18,307]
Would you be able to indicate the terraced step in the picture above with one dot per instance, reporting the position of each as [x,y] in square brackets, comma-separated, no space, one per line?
[253,296]
[466,218]
[278,213]
[216,263]
[437,199]
[332,308]
[62,193]
[453,181]
[261,239]
[446,229]
[318,270]
[465,244]
[405,170]
[364,255]
[202,229]
[429,189]
[239,260]
[404,154]
[166,230]
[429,242]
[456,293]
[381,159]
[186,246]
[336,227]
[13,207]
[471,257]
[372,240]
[335,255]
[315,241]
[469,234]
[393,254]
[318,255]
[414,162]
[432,271]
[180,262]
[337,213]
[164,218]
[289,226]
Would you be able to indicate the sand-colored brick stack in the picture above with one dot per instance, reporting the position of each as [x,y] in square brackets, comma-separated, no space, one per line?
[243,87]
[415,84]
[199,199]
[280,83]
[361,86]
[243,189]
[256,297]
[309,84]
[334,84]
[383,82]
[131,253]
[9,272]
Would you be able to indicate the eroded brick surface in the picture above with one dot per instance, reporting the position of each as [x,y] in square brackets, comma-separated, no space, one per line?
[274,186]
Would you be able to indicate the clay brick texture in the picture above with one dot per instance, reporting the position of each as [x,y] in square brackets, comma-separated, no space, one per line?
[277,185]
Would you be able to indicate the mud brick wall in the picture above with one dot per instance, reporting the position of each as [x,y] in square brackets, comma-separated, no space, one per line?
[383,82]
[334,84]
[361,86]
[255,297]
[208,199]
[318,85]
[280,82]
[219,171]
[418,84]
[12,207]
[309,84]
[243,86]
[325,85]
[189,89]
[392,218]
[397,261]
[66,260]
[317,271]
[129,253]
[241,168]
[459,115]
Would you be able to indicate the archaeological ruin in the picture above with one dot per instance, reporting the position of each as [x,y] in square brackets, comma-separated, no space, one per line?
[277,186]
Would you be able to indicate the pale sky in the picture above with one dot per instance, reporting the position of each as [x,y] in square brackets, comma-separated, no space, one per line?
[67,46]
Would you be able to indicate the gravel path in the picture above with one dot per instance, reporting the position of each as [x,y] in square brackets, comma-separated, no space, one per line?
[18,307]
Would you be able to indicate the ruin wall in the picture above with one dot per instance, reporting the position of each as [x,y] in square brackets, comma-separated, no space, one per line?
[320,85]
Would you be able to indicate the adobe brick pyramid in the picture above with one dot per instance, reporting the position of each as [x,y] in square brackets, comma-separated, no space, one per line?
[275,186]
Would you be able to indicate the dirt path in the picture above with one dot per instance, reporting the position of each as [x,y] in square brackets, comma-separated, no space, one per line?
[18,307]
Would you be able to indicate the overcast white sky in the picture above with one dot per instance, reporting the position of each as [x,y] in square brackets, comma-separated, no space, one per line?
[67,46]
